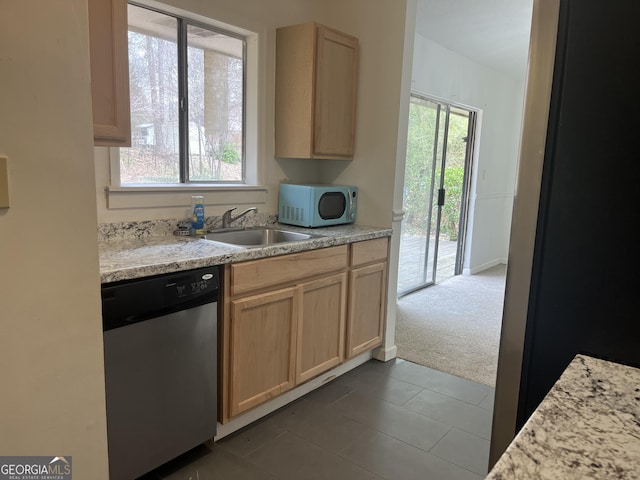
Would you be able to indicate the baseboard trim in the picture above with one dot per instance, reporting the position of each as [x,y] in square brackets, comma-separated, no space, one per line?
[384,354]
[484,266]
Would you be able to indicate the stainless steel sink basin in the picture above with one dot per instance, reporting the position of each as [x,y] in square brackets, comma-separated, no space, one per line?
[258,237]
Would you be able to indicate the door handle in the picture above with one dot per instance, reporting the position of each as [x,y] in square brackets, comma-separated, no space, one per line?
[441,192]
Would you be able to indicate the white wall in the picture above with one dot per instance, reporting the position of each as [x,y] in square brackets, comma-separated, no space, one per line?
[51,362]
[373,167]
[380,26]
[444,74]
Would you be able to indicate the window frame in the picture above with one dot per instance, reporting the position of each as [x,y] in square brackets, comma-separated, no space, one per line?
[144,195]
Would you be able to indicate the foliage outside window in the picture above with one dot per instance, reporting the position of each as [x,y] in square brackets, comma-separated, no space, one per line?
[421,178]
[187,102]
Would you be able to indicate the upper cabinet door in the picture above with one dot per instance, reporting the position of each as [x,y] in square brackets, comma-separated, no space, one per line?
[335,101]
[316,86]
[109,72]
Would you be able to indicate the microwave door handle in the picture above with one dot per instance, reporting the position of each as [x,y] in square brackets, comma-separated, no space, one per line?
[350,203]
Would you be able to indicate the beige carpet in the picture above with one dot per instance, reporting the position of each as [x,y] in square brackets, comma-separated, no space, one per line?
[455,326]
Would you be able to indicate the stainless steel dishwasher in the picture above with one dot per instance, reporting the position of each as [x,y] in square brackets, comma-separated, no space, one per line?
[160,336]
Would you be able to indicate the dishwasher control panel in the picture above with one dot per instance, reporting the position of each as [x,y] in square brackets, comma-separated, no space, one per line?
[131,301]
[189,286]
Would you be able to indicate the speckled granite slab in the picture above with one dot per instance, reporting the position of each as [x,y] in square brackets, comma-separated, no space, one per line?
[159,228]
[588,426]
[125,256]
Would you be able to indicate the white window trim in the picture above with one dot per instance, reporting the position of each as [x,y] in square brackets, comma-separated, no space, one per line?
[168,195]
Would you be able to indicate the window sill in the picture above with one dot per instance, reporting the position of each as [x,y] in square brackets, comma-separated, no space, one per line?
[135,196]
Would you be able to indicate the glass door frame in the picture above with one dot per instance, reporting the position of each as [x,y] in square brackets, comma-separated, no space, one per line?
[466,182]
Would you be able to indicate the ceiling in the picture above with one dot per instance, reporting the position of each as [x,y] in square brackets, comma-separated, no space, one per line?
[494,33]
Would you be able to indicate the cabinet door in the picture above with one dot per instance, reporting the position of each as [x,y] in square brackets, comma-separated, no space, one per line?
[315,96]
[367,286]
[321,326]
[109,72]
[294,90]
[262,347]
[335,96]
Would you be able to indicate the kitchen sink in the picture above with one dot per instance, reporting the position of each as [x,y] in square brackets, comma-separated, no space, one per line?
[258,237]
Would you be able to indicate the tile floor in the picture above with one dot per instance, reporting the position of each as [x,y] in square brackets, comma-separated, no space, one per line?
[395,420]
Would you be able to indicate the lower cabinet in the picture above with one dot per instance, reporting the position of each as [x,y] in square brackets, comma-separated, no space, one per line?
[367,295]
[283,338]
[367,300]
[262,348]
[290,318]
[321,326]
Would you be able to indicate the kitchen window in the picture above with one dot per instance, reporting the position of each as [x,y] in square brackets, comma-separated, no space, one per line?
[187,94]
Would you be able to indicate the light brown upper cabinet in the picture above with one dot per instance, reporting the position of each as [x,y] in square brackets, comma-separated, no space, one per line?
[316,85]
[109,72]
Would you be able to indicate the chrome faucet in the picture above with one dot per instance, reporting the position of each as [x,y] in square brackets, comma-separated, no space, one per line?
[227,220]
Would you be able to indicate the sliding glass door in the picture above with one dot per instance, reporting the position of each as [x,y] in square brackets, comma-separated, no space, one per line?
[437,178]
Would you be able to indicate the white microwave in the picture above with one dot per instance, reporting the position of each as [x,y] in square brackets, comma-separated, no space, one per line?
[317,205]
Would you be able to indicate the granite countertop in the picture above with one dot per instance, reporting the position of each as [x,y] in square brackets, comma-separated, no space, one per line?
[125,257]
[588,426]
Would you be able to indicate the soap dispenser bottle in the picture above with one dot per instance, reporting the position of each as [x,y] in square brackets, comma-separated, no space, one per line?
[197,215]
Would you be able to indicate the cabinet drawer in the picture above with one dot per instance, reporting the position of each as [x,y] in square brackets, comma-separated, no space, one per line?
[257,274]
[369,251]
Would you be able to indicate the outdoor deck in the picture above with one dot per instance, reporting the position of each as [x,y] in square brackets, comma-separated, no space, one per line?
[411,264]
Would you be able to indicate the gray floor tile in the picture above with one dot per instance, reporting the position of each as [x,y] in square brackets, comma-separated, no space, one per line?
[469,418]
[377,365]
[249,439]
[378,421]
[487,403]
[329,393]
[211,463]
[322,427]
[450,385]
[403,424]
[393,459]
[371,366]
[464,449]
[377,383]
[292,457]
